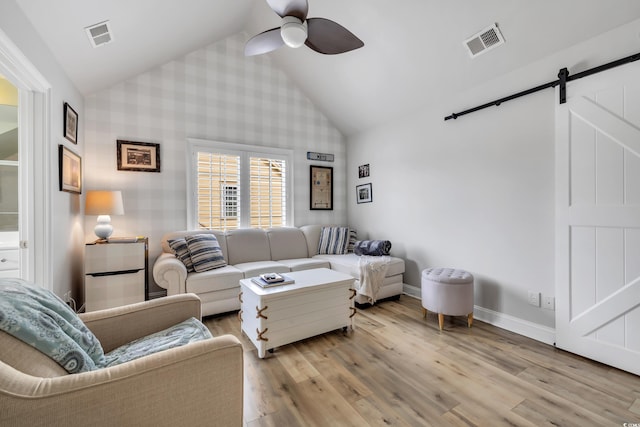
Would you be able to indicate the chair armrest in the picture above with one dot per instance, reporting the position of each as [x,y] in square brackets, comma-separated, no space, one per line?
[170,273]
[199,384]
[117,326]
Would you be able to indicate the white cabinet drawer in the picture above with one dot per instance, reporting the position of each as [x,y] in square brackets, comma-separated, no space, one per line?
[114,290]
[111,257]
[10,260]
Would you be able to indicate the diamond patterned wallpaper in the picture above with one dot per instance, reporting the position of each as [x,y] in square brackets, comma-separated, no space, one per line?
[214,93]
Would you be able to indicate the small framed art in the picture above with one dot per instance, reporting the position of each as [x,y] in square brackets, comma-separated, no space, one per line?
[70,170]
[70,125]
[364,193]
[321,192]
[138,156]
[363,171]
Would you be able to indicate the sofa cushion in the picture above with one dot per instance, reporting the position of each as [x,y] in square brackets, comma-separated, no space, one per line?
[205,252]
[183,333]
[227,277]
[220,236]
[27,359]
[252,269]
[247,245]
[299,264]
[287,243]
[349,264]
[181,251]
[333,240]
[312,236]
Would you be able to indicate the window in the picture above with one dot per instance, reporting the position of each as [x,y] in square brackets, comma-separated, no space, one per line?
[234,185]
[230,207]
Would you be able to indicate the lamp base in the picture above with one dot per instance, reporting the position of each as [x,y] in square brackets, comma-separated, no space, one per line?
[103,229]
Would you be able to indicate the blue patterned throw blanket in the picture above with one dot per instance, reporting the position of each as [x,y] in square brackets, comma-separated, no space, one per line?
[372,247]
[42,320]
[39,318]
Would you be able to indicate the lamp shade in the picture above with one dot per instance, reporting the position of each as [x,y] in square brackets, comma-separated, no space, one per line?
[104,203]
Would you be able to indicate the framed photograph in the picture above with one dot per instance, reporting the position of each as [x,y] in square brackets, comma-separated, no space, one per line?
[70,170]
[70,125]
[321,194]
[363,171]
[138,156]
[364,193]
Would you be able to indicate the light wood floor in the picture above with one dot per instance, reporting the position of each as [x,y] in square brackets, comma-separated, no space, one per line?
[397,368]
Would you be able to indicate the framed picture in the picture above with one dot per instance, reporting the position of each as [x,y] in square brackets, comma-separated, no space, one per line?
[70,125]
[364,193]
[70,170]
[363,171]
[138,156]
[321,194]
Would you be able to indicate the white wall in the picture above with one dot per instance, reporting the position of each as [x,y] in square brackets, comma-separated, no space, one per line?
[478,192]
[67,235]
[214,93]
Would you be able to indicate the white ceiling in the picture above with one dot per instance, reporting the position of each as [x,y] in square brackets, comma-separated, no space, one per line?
[413,49]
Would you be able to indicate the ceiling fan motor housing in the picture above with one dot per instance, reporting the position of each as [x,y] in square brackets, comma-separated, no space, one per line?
[293,31]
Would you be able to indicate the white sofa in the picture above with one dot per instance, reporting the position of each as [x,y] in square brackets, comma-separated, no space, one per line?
[250,252]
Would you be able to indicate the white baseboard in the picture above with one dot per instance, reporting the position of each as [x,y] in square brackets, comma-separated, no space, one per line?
[510,323]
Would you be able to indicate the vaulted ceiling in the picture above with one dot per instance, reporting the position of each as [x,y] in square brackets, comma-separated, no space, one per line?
[413,51]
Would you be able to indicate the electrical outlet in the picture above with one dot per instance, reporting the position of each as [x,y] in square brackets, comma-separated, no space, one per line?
[534,298]
[549,303]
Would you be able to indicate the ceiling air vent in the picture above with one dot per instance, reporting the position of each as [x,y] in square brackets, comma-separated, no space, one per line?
[99,34]
[484,41]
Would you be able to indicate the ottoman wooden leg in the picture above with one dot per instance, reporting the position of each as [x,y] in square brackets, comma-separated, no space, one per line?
[440,320]
[470,319]
[424,312]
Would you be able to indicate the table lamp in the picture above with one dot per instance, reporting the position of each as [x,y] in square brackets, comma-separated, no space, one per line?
[103,204]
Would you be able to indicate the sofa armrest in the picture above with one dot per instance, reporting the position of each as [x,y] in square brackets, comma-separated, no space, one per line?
[170,273]
[199,384]
[117,326]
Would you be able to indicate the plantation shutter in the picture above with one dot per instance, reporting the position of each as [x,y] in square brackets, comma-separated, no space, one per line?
[267,192]
[218,191]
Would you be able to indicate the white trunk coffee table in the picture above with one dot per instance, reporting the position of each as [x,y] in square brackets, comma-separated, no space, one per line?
[320,300]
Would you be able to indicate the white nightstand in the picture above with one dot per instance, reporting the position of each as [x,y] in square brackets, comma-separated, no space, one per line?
[115,274]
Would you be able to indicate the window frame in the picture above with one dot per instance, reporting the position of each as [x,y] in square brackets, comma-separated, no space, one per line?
[245,152]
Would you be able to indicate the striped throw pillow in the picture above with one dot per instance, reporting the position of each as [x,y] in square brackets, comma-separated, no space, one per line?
[181,251]
[353,237]
[205,252]
[333,240]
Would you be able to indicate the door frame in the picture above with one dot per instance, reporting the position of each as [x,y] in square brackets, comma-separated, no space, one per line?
[34,130]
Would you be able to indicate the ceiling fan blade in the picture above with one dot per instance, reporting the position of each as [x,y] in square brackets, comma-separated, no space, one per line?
[267,41]
[297,8]
[330,38]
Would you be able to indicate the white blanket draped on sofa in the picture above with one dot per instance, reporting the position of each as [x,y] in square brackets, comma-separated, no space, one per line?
[372,273]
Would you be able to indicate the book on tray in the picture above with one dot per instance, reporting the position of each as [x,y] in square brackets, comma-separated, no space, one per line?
[271,279]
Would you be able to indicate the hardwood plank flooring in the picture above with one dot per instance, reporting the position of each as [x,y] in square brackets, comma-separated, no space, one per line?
[396,368]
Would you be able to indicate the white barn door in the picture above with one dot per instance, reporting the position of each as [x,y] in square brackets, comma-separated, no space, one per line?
[598,218]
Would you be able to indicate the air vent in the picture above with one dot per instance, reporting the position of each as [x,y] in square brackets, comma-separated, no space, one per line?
[99,34]
[484,41]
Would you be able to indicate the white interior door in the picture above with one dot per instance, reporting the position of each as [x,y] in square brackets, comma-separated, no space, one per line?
[598,218]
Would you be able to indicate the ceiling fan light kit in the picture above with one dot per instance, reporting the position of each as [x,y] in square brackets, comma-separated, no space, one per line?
[293,31]
[319,34]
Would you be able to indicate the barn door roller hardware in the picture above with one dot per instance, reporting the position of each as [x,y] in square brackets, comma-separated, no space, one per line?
[563,79]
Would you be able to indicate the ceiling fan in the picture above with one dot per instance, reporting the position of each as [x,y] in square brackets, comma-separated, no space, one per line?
[320,34]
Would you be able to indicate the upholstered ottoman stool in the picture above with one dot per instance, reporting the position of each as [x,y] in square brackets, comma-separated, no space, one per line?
[447,291]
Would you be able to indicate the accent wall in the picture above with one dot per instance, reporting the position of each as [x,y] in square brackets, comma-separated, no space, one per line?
[214,93]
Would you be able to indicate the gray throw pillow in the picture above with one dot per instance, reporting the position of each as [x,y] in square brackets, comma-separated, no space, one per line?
[205,252]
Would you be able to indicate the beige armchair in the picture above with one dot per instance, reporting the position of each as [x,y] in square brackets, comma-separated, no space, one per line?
[199,384]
